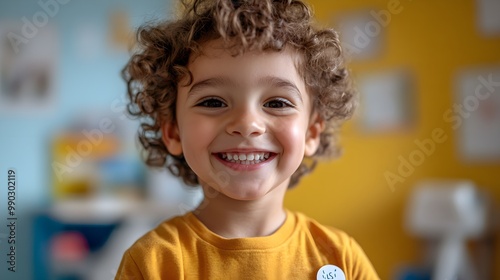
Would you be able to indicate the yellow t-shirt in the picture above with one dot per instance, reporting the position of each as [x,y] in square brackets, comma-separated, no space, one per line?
[183,248]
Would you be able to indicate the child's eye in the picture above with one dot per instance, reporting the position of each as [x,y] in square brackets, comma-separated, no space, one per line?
[211,103]
[278,103]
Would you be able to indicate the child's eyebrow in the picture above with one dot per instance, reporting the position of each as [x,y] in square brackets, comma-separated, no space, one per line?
[211,82]
[271,81]
[278,82]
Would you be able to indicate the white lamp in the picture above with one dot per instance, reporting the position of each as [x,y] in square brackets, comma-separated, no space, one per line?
[450,212]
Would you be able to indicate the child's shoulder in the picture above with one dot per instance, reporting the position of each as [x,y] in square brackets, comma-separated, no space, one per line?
[165,234]
[144,259]
[323,235]
[338,246]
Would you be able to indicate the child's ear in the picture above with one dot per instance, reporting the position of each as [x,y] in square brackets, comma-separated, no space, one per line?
[316,126]
[171,138]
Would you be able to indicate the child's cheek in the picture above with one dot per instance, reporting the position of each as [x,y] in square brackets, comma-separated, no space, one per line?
[291,134]
[196,135]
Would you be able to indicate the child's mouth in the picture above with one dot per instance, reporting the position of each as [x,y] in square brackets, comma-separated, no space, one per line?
[245,158]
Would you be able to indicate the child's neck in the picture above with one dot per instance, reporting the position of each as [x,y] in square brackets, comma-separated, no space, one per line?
[232,218]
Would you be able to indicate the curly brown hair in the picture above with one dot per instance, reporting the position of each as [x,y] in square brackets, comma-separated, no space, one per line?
[153,73]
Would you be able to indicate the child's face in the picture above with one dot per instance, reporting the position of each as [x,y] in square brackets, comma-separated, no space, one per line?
[254,106]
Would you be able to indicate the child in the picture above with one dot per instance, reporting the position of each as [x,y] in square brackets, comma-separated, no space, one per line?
[242,98]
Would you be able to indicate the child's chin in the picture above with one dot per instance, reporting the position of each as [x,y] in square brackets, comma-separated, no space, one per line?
[246,195]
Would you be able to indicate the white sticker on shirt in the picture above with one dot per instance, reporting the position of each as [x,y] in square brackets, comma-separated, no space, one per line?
[330,271]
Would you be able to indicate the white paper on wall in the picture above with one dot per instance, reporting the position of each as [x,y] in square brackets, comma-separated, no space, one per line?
[387,101]
[488,17]
[478,123]
[27,69]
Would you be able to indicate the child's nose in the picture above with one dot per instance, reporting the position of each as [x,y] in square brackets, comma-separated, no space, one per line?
[246,123]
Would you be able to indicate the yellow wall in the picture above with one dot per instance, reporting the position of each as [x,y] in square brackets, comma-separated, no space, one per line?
[435,39]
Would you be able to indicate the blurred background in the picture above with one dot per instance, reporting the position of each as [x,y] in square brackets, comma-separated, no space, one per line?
[418,185]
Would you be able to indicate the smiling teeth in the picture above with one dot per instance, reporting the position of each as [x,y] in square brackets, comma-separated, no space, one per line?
[250,158]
